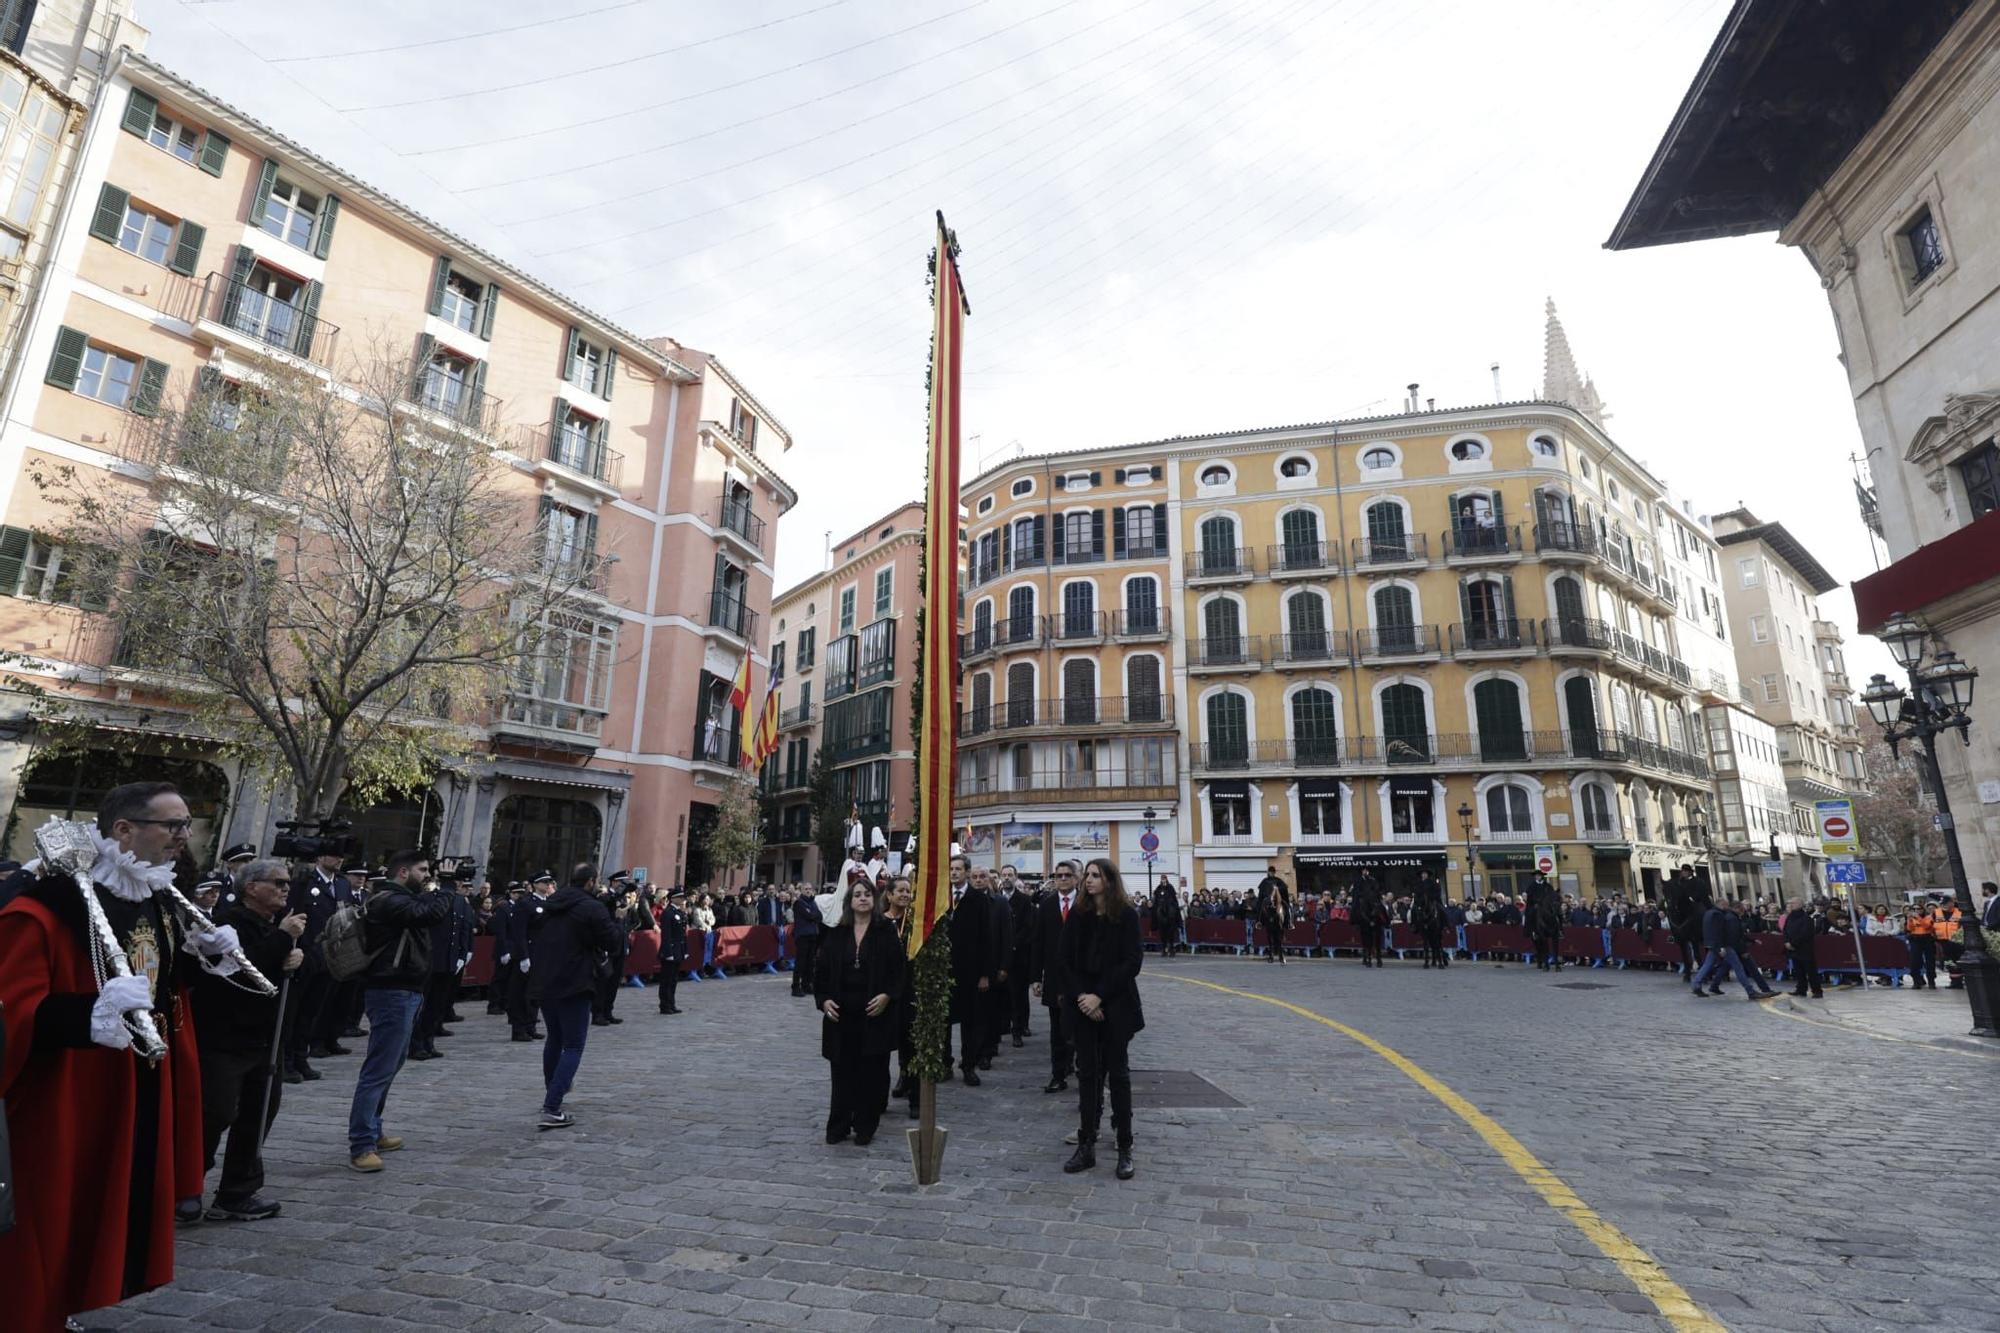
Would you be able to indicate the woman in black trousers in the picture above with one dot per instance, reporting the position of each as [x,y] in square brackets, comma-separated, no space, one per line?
[1100,950]
[855,984]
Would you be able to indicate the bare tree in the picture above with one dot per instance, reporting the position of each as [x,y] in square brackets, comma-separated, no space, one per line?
[737,836]
[336,581]
[1894,818]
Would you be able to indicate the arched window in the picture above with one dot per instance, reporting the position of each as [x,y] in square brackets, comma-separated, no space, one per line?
[1676,729]
[1544,446]
[1378,459]
[1295,465]
[1315,727]
[1024,545]
[1508,809]
[1142,689]
[1020,615]
[1222,630]
[1216,474]
[1580,707]
[1496,706]
[1388,533]
[1395,620]
[1079,613]
[1021,694]
[1467,451]
[1302,549]
[1485,603]
[1228,731]
[982,702]
[1406,725]
[1642,813]
[535,833]
[1218,545]
[1305,622]
[1142,605]
[1621,710]
[1079,693]
[1572,627]
[1595,803]
[410,820]
[1649,722]
[982,627]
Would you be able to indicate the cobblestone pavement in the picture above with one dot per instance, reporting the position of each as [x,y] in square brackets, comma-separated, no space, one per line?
[1756,1159]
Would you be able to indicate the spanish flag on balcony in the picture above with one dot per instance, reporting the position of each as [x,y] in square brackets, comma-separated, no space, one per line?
[767,725]
[746,721]
[937,738]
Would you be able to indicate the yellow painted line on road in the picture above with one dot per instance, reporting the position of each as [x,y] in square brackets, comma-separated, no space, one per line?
[1675,1305]
[1835,1025]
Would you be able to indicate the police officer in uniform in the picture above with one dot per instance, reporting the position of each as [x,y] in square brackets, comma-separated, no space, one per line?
[611,975]
[316,893]
[673,948]
[522,926]
[231,869]
[496,927]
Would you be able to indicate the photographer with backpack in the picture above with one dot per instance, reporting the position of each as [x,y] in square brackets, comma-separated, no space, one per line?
[395,932]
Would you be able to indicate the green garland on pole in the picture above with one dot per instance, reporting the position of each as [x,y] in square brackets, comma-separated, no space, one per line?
[930,1024]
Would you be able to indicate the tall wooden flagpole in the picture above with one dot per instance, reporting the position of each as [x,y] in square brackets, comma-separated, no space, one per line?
[937,730]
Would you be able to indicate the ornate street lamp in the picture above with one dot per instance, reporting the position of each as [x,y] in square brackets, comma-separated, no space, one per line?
[1466,818]
[1939,700]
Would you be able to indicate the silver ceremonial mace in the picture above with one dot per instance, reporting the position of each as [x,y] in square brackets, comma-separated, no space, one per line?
[68,848]
[258,981]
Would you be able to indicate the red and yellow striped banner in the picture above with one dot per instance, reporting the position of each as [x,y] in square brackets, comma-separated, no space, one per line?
[937,740]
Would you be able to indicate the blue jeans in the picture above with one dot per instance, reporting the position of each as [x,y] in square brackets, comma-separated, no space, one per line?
[1717,959]
[569,1026]
[392,1014]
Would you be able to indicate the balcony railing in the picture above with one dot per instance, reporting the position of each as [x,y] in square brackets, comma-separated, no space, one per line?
[733,615]
[1237,651]
[546,715]
[1311,647]
[1397,641]
[1445,750]
[795,717]
[1221,562]
[1006,785]
[1492,636]
[456,401]
[1142,623]
[1077,627]
[1301,558]
[1018,632]
[1153,548]
[1477,542]
[1564,538]
[573,450]
[1413,548]
[583,571]
[1308,752]
[254,314]
[1088,710]
[1579,632]
[735,516]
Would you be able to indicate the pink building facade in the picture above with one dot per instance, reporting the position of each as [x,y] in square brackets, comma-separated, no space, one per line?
[197,242]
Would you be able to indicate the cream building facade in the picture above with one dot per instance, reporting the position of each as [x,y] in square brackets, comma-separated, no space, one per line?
[1887,185]
[202,245]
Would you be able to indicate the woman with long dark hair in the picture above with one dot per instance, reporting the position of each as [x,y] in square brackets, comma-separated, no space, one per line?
[855,985]
[1101,958]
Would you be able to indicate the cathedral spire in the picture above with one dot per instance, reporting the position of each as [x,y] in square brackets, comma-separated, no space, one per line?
[1562,382]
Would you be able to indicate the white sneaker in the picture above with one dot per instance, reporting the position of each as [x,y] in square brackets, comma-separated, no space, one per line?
[555,1120]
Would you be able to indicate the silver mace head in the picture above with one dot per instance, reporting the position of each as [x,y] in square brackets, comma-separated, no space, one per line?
[67,845]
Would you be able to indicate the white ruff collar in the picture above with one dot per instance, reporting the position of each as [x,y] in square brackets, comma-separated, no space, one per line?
[123,875]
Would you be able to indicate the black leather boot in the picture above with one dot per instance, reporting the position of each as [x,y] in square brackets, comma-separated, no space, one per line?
[1084,1158]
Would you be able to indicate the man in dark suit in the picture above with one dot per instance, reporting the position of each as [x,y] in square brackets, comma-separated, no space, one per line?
[496,927]
[1045,963]
[1020,957]
[673,949]
[999,998]
[973,964]
[522,924]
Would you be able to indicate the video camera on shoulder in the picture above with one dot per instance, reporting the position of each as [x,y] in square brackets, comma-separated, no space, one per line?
[454,869]
[306,840]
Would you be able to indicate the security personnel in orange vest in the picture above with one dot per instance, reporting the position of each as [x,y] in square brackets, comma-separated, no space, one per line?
[1949,941]
[1921,928]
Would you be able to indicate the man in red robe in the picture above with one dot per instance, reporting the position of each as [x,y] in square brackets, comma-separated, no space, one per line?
[104,1140]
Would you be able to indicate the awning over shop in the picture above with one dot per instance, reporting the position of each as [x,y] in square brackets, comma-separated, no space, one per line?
[1375,858]
[1409,784]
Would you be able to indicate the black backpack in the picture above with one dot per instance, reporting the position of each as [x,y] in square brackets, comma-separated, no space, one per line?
[344,943]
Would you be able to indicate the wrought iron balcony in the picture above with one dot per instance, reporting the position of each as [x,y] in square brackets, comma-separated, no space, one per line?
[1221,562]
[733,515]
[256,315]
[1560,537]
[455,400]
[1311,648]
[574,451]
[1150,622]
[1233,652]
[1493,636]
[1077,627]
[1579,633]
[1301,558]
[733,615]
[1411,548]
[1074,711]
[1397,641]
[795,717]
[1482,542]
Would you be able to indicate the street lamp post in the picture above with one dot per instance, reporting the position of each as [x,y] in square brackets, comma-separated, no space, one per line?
[1465,821]
[1939,700]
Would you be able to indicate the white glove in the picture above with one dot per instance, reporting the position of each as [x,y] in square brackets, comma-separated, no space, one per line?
[524,964]
[461,965]
[107,1016]
[506,959]
[212,949]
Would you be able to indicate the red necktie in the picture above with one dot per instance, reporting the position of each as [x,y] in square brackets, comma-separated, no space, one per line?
[1065,907]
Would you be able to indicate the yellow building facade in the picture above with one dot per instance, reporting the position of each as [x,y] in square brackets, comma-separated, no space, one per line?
[1381,643]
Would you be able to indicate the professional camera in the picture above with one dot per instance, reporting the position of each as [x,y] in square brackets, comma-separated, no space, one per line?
[455,869]
[301,840]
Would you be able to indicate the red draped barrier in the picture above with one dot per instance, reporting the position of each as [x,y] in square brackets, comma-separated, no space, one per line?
[1405,938]
[1484,938]
[643,957]
[1630,946]
[1585,942]
[1886,953]
[1339,935]
[1212,931]
[1767,950]
[745,946]
[1835,953]
[479,972]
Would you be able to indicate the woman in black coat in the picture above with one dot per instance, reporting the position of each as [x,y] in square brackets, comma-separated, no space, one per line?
[1101,957]
[857,978]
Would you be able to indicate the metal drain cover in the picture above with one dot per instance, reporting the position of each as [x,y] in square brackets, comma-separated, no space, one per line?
[1182,1088]
[1581,985]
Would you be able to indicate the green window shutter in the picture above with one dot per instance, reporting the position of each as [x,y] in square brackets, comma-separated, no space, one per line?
[209,378]
[109,219]
[308,329]
[67,362]
[590,536]
[569,351]
[140,108]
[489,301]
[557,417]
[267,180]
[187,248]
[239,273]
[474,411]
[93,595]
[14,544]
[610,373]
[426,349]
[329,213]
[440,279]
[152,387]
[214,153]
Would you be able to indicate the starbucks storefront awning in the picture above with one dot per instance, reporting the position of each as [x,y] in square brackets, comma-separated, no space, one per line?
[1375,858]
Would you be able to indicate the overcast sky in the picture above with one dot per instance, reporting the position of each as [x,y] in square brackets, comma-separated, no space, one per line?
[1177,215]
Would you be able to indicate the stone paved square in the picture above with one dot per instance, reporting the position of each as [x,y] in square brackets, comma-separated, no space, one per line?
[1752,1157]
